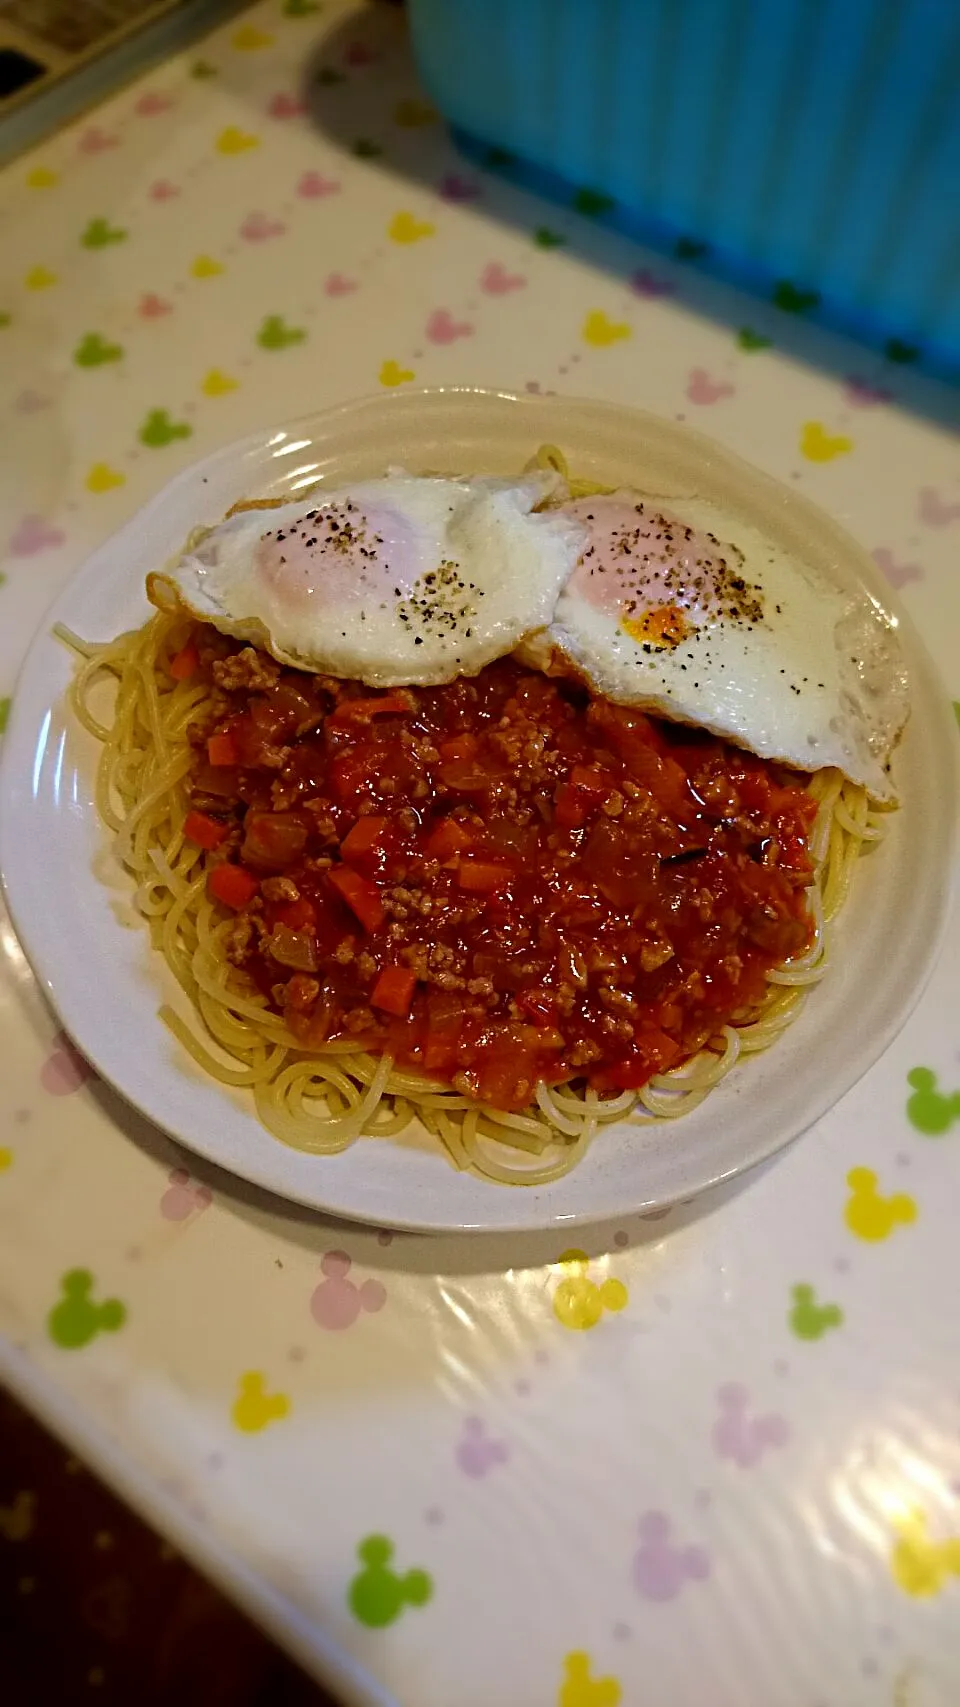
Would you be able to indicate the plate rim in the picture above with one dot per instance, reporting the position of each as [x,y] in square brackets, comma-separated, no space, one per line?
[20,740]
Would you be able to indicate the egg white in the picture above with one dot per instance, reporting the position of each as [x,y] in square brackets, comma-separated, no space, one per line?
[772,657]
[401,580]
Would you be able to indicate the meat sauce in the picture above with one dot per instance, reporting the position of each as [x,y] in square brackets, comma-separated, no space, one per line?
[502,881]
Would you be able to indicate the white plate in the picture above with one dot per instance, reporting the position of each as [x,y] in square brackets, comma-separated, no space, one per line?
[106,984]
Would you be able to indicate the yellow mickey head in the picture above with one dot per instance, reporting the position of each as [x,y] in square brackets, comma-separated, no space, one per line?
[392,373]
[870,1216]
[578,1301]
[102,478]
[818,445]
[406,228]
[599,330]
[254,1408]
[40,278]
[411,113]
[249,39]
[579,1689]
[233,140]
[205,267]
[217,384]
[921,1566]
[6,1160]
[41,178]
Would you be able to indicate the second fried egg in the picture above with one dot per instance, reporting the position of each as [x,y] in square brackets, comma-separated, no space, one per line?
[744,640]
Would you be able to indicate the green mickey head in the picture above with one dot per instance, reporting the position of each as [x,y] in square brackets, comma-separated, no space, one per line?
[99,234]
[592,202]
[793,300]
[275,334]
[377,1595]
[928,1109]
[810,1320]
[690,249]
[748,339]
[75,1321]
[93,351]
[158,429]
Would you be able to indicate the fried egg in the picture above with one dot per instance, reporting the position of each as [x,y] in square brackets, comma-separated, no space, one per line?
[399,580]
[744,640]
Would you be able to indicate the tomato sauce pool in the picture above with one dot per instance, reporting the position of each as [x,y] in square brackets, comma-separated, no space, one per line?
[502,881]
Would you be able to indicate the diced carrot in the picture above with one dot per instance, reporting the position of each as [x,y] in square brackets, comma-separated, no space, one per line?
[206,832]
[483,875]
[185,663]
[591,780]
[363,837]
[361,896]
[458,747]
[448,838]
[393,990]
[571,807]
[297,915]
[362,710]
[232,885]
[222,750]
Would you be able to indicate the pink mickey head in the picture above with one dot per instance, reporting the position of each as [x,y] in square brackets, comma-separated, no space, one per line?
[314,184]
[95,140]
[860,394]
[477,1451]
[457,189]
[184,1197]
[335,284]
[935,511]
[443,329]
[898,574]
[151,306]
[259,227]
[65,1069]
[163,190]
[659,1568]
[153,102]
[496,281]
[741,1438]
[337,1302]
[286,106]
[647,284]
[30,401]
[361,53]
[702,389]
[33,534]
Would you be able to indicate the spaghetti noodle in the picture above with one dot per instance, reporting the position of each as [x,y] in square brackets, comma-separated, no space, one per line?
[321,1097]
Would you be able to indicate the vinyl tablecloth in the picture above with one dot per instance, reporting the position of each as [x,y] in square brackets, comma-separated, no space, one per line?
[713,1458]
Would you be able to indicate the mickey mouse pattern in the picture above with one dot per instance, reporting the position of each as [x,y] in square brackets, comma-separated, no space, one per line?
[734,1413]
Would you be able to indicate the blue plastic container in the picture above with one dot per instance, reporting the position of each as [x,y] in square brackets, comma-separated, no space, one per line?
[809,142]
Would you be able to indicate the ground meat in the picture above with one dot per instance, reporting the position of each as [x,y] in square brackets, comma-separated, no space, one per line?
[246,671]
[366,965]
[301,993]
[279,889]
[653,955]
[583,1053]
[243,936]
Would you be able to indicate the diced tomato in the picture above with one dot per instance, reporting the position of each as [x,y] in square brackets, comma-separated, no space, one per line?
[361,896]
[222,750]
[483,875]
[440,1048]
[350,776]
[571,807]
[393,990]
[296,915]
[185,663]
[653,1052]
[591,780]
[448,838]
[362,839]
[232,885]
[207,832]
[459,747]
[363,710]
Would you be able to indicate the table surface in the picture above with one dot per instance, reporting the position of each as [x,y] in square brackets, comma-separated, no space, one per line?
[743,1485]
